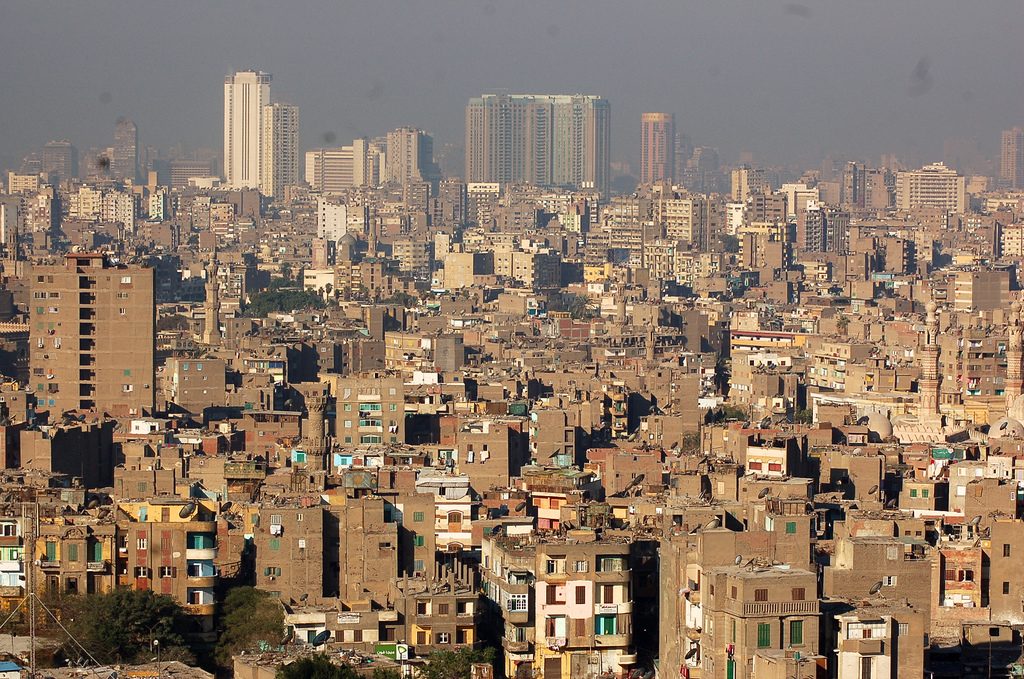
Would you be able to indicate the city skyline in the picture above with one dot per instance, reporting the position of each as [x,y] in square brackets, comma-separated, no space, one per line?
[903,96]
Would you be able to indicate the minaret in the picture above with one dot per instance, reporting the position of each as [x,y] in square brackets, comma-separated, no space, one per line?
[928,410]
[211,325]
[650,344]
[1014,359]
[314,442]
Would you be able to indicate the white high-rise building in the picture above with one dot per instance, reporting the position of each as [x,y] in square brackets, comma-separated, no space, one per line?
[280,148]
[331,220]
[246,93]
[933,186]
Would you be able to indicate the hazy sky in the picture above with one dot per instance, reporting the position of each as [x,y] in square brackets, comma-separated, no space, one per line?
[788,81]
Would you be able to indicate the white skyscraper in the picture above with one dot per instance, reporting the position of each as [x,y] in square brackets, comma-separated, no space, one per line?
[280,149]
[245,95]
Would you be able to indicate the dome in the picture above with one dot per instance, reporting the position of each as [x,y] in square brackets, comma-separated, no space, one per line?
[1007,428]
[347,239]
[879,425]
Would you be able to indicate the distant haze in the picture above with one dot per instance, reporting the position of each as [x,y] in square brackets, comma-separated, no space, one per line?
[790,82]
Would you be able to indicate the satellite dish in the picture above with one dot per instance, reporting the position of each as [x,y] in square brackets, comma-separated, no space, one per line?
[692,652]
[875,588]
[225,507]
[288,636]
[187,510]
[321,639]
[765,492]
[649,674]
[521,506]
[93,504]
[873,489]
[693,531]
[713,523]
[738,560]
[304,596]
[639,479]
[976,520]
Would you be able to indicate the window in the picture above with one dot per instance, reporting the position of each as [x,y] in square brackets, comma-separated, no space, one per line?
[141,572]
[581,594]
[166,572]
[764,634]
[443,638]
[582,566]
[913,492]
[418,541]
[554,566]
[551,592]
[796,632]
[889,580]
[142,543]
[275,519]
[122,311]
[518,602]
[798,594]
[865,667]
[126,280]
[442,609]
[790,527]
[1006,587]
[1006,550]
[760,595]
[924,492]
[417,516]
[275,544]
[605,624]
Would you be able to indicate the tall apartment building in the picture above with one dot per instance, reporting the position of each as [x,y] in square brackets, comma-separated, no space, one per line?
[657,147]
[371,410]
[409,157]
[560,140]
[933,186]
[92,336]
[124,163]
[747,181]
[335,170]
[60,158]
[1011,159]
[246,93]
[280,146]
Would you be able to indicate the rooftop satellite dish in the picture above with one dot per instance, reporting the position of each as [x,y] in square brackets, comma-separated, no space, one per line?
[693,531]
[692,652]
[765,492]
[521,506]
[875,588]
[976,520]
[225,507]
[649,674]
[187,510]
[873,489]
[639,479]
[321,639]
[93,504]
[304,596]
[738,560]
[713,523]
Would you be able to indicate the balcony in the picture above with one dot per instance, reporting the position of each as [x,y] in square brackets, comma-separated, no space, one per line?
[516,646]
[50,564]
[200,609]
[627,659]
[863,646]
[771,608]
[202,581]
[612,640]
[10,566]
[98,567]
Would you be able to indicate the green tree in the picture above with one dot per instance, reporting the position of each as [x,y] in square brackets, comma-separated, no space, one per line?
[803,416]
[729,242]
[268,302]
[316,667]
[122,625]
[172,322]
[401,298]
[248,617]
[455,664]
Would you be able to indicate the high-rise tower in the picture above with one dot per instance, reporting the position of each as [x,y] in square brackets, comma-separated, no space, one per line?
[125,161]
[657,147]
[279,148]
[245,95]
[1011,159]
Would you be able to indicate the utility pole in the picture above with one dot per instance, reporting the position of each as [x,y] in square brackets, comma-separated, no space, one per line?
[30,515]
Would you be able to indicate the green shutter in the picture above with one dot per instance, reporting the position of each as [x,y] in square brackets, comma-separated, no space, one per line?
[796,632]
[730,669]
[51,551]
[418,540]
[417,516]
[72,552]
[764,635]
[790,527]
